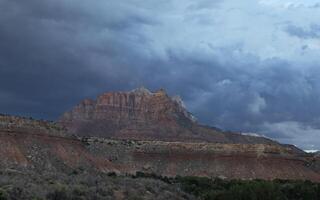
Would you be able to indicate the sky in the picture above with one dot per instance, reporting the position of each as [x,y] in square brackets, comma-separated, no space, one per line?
[249,66]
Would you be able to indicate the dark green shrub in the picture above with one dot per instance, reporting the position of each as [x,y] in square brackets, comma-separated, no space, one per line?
[218,189]
[112,174]
[59,193]
[3,194]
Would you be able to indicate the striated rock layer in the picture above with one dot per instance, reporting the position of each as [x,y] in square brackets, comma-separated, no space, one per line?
[30,145]
[229,161]
[144,115]
[28,125]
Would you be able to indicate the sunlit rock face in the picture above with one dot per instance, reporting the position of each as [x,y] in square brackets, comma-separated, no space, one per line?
[143,115]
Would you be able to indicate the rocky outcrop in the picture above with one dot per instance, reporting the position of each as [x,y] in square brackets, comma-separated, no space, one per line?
[144,115]
[28,125]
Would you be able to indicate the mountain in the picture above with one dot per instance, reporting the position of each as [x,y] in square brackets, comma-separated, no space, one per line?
[143,115]
[143,131]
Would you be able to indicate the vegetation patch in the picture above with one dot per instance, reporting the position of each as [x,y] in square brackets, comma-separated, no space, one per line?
[218,189]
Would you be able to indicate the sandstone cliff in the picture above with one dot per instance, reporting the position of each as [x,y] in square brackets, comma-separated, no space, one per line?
[144,115]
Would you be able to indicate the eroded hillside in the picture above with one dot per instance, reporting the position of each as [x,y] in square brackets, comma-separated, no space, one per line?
[38,150]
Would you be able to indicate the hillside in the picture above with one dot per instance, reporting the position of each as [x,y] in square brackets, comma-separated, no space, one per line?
[28,145]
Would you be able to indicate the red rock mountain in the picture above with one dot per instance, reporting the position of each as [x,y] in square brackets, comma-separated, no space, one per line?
[166,140]
[144,115]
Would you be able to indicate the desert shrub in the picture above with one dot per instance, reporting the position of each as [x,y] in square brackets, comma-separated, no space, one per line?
[255,190]
[165,179]
[3,194]
[59,193]
[217,189]
[84,186]
[17,193]
[79,193]
[112,174]
[300,190]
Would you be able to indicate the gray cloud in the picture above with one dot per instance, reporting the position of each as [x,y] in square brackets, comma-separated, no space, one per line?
[312,32]
[235,68]
[291,131]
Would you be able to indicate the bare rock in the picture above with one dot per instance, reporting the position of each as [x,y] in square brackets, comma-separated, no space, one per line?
[143,115]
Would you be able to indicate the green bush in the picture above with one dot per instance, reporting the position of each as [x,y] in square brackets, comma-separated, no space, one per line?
[3,194]
[217,189]
[60,193]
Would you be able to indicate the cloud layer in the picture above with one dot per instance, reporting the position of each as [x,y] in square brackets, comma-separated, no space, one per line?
[250,66]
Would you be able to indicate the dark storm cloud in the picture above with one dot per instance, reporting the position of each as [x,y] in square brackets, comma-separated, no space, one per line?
[231,73]
[50,51]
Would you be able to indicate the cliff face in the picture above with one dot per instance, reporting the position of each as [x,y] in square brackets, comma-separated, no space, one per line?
[138,114]
[144,115]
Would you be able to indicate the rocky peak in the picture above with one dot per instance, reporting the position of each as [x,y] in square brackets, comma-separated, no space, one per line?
[179,101]
[141,91]
[143,115]
[138,110]
[161,92]
[182,108]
